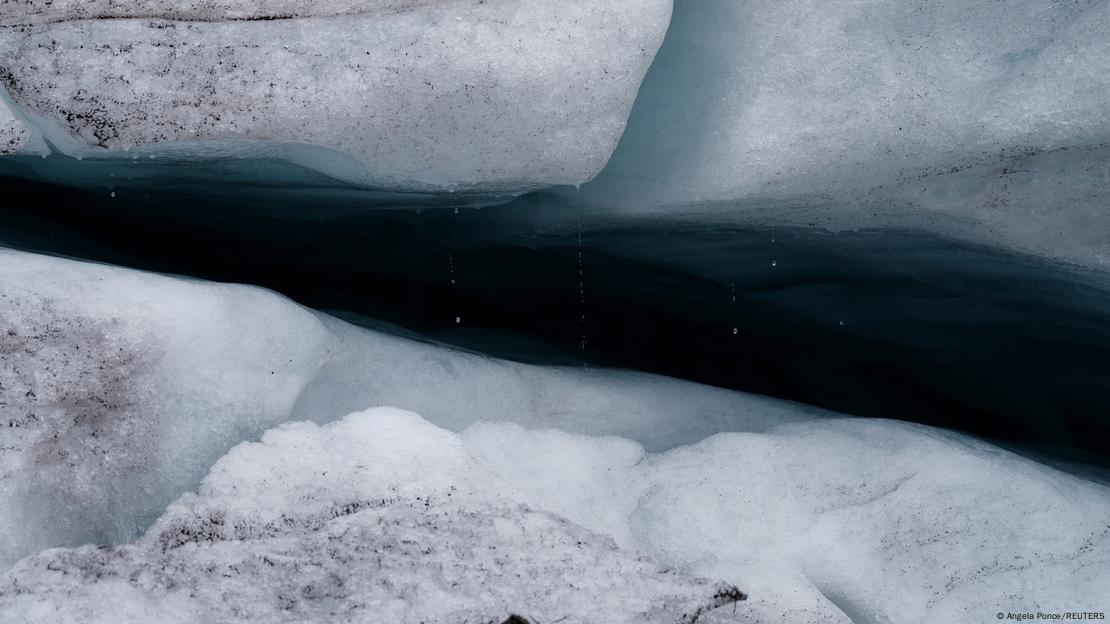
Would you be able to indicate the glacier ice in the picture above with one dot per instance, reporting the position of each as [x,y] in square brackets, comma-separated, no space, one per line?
[986,121]
[380,517]
[497,95]
[835,520]
[119,389]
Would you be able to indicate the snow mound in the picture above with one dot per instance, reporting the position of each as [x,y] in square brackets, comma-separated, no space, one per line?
[833,521]
[120,389]
[492,96]
[380,517]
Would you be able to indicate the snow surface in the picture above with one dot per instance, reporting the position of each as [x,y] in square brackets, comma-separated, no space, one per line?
[13,134]
[28,12]
[119,390]
[838,520]
[380,517]
[495,95]
[385,517]
[988,121]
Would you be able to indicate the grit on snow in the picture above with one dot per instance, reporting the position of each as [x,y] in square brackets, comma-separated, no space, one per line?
[13,134]
[497,95]
[818,518]
[381,517]
[988,121]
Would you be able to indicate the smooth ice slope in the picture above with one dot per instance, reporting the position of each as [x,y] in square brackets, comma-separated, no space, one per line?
[380,517]
[119,389]
[988,121]
[499,95]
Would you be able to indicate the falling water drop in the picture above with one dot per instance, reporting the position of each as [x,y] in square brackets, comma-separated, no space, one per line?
[774,263]
[732,294]
[451,278]
[583,340]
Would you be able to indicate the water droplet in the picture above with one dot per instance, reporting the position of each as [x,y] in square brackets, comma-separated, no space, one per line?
[774,263]
[842,323]
[458,319]
[735,330]
[112,194]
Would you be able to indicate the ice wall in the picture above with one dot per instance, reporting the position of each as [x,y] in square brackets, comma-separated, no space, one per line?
[492,95]
[940,115]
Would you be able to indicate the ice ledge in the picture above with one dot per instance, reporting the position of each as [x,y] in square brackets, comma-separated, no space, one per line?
[411,95]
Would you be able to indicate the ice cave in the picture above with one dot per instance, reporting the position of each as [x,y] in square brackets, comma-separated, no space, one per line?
[533,312]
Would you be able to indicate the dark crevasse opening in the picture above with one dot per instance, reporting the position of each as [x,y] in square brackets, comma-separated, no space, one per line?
[880,323]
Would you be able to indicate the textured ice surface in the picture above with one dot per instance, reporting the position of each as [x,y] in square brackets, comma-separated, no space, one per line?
[13,134]
[385,517]
[25,12]
[918,113]
[876,521]
[119,389]
[380,517]
[497,95]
